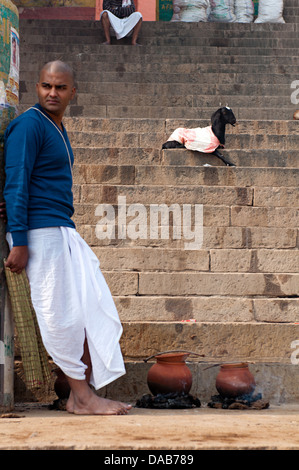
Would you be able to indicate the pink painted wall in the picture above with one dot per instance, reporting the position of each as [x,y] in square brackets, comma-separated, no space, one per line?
[77,9]
[58,13]
[146,7]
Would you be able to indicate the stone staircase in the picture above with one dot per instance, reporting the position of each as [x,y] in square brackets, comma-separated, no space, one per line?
[235,297]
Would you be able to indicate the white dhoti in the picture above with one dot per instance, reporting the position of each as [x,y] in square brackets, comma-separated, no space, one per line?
[72,302]
[123,26]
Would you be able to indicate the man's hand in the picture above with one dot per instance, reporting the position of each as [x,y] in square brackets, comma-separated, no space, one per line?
[17,259]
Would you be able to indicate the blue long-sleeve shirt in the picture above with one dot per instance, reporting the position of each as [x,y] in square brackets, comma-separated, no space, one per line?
[38,184]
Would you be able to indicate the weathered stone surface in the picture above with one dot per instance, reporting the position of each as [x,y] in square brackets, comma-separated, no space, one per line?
[277,310]
[217,175]
[265,217]
[268,261]
[214,237]
[179,308]
[230,284]
[276,197]
[122,283]
[219,342]
[139,259]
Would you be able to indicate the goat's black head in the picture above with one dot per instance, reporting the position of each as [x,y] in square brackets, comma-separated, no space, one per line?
[219,119]
[225,114]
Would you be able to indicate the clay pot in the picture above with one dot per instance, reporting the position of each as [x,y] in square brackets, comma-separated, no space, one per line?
[170,374]
[235,380]
[61,385]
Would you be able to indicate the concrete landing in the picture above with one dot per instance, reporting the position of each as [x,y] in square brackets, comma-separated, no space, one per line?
[35,427]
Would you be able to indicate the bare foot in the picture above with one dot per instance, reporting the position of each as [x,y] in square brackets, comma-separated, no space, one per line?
[96,406]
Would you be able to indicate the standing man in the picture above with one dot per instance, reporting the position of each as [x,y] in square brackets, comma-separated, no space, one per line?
[77,317]
[122,16]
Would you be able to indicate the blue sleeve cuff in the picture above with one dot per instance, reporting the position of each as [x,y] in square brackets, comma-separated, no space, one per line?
[19,238]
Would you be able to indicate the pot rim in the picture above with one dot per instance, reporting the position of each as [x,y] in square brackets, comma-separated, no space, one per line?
[234,365]
[175,352]
[172,357]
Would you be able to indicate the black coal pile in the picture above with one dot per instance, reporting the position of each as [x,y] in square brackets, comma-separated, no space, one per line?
[244,402]
[168,401]
[58,404]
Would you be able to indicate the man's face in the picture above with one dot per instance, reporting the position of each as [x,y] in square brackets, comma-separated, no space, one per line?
[54,91]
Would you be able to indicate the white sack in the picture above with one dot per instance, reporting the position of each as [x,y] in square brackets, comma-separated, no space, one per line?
[222,11]
[190,10]
[244,11]
[270,11]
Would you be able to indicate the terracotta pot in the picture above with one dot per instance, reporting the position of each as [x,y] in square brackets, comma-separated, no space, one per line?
[61,385]
[170,374]
[234,380]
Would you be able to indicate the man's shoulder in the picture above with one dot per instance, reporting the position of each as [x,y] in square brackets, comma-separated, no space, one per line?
[29,119]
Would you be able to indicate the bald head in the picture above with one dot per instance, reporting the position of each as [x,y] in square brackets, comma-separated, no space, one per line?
[57,66]
[55,89]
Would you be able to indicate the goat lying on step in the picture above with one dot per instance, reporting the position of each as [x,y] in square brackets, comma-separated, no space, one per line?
[204,139]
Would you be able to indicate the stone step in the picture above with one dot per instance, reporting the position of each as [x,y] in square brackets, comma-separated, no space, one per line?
[105,111]
[218,215]
[215,236]
[219,342]
[216,309]
[209,261]
[148,155]
[258,158]
[224,77]
[89,211]
[262,42]
[187,35]
[95,60]
[104,126]
[154,96]
[157,28]
[156,139]
[91,174]
[178,50]
[207,284]
[292,19]
[209,195]
[258,91]
[152,65]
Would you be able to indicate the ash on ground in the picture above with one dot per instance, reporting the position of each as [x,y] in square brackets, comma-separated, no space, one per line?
[168,401]
[59,404]
[244,402]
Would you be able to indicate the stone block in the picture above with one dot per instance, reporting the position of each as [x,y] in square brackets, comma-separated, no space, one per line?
[267,261]
[140,259]
[189,308]
[227,284]
[277,217]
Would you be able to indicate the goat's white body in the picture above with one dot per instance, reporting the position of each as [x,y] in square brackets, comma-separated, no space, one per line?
[200,139]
